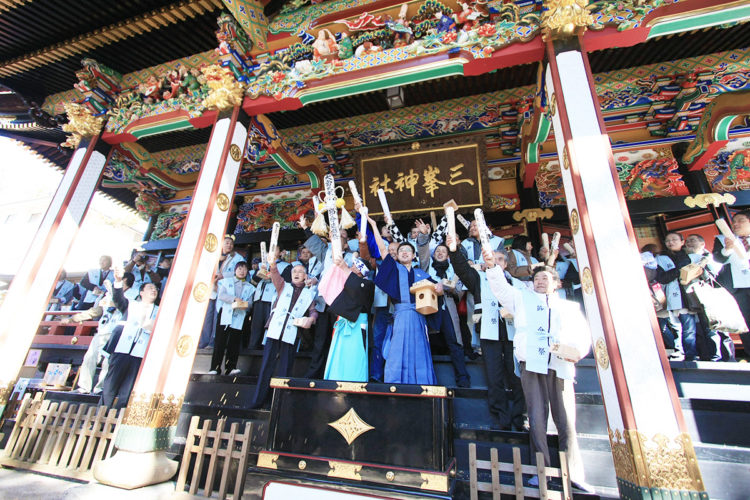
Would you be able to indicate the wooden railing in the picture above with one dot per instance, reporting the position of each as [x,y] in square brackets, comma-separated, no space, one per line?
[56,331]
[60,438]
[209,447]
[518,489]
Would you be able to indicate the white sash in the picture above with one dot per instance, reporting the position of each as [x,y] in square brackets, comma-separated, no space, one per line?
[671,289]
[540,322]
[227,267]
[134,339]
[229,316]
[94,277]
[738,268]
[490,311]
[281,312]
[521,259]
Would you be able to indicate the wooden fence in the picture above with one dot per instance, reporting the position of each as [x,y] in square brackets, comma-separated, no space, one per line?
[209,445]
[60,438]
[518,469]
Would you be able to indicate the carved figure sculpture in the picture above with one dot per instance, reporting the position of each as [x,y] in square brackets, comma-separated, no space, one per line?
[325,46]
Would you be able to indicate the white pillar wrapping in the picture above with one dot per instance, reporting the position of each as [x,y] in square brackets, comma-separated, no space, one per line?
[29,293]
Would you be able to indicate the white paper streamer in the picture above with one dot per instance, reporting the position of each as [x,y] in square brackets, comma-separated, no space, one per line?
[355,193]
[274,238]
[555,241]
[463,221]
[263,254]
[484,232]
[739,248]
[450,215]
[363,224]
[333,217]
[384,204]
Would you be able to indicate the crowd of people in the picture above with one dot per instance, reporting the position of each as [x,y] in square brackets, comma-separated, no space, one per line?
[123,299]
[686,320]
[358,317]
[356,314]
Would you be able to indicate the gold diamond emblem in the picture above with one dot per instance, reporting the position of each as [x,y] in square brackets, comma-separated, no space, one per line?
[351,426]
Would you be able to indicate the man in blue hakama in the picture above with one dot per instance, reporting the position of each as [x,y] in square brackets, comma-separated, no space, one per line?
[407,355]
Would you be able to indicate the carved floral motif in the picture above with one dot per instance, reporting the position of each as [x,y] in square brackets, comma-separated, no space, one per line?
[81,123]
[153,410]
[224,91]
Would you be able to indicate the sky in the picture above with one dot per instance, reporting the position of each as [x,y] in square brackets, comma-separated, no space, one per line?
[27,185]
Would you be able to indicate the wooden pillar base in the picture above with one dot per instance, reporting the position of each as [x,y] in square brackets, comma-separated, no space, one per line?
[130,470]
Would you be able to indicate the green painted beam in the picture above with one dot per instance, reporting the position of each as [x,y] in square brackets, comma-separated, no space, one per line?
[160,129]
[384,83]
[697,21]
[722,128]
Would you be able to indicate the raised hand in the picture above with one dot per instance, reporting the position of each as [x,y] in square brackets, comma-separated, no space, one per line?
[118,273]
[489,257]
[422,227]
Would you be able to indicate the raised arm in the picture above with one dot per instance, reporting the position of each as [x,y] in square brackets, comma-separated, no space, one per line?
[276,279]
[500,287]
[468,275]
[423,244]
[118,296]
[382,247]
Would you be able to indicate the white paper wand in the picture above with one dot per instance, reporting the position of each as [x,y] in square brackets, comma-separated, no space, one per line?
[384,205]
[263,254]
[450,215]
[484,232]
[274,238]
[739,248]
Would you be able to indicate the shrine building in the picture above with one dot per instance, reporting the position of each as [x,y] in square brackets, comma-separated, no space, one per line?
[610,122]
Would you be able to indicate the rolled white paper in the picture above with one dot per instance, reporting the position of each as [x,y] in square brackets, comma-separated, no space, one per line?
[738,247]
[433,220]
[316,202]
[545,241]
[484,232]
[263,254]
[274,238]
[463,221]
[384,204]
[363,224]
[567,246]
[555,241]
[355,193]
[333,216]
[450,215]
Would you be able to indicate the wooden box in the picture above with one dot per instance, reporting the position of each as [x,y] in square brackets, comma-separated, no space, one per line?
[427,301]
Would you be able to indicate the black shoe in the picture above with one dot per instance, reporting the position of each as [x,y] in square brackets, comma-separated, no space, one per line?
[474,355]
[464,382]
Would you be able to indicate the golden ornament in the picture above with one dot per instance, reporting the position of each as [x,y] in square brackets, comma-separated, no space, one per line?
[587,281]
[184,344]
[200,292]
[575,222]
[222,201]
[211,243]
[235,152]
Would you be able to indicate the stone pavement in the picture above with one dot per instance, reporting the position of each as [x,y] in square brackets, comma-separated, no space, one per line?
[23,485]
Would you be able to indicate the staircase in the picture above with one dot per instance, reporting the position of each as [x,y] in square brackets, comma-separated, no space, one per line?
[715,399]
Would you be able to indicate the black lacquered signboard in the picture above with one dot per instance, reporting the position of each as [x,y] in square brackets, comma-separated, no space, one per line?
[389,434]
